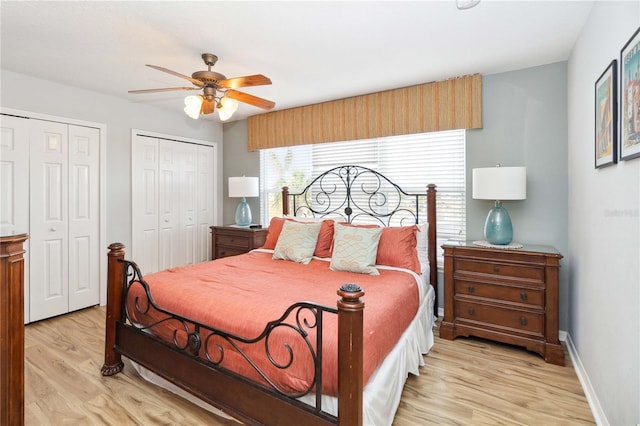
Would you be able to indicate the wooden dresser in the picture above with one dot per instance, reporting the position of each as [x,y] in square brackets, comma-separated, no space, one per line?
[232,240]
[12,330]
[510,296]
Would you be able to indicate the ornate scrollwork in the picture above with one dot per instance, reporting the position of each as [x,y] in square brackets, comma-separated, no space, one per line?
[358,194]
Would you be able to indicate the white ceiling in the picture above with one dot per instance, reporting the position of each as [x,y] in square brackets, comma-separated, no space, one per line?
[312,51]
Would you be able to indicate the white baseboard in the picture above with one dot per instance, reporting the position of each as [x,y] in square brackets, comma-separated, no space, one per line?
[592,398]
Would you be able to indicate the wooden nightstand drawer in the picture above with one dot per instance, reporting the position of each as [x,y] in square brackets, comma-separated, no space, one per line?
[239,241]
[520,295]
[227,251]
[503,317]
[501,269]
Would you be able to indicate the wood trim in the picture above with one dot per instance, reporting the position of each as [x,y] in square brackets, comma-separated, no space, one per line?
[12,329]
[442,105]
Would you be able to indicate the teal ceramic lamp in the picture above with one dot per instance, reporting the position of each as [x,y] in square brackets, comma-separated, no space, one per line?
[243,187]
[499,184]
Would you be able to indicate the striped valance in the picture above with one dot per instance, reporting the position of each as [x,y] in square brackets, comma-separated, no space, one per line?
[429,107]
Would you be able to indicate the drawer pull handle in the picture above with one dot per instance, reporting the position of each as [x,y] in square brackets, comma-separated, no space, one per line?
[471,311]
[471,289]
[523,296]
[496,268]
[523,321]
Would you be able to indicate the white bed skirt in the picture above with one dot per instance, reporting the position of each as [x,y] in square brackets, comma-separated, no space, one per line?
[382,394]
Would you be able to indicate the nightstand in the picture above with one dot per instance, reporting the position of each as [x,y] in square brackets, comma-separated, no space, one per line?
[232,240]
[510,296]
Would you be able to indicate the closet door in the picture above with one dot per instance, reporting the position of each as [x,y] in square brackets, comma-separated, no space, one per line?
[170,245]
[84,220]
[14,185]
[205,197]
[173,202]
[144,204]
[48,217]
[188,193]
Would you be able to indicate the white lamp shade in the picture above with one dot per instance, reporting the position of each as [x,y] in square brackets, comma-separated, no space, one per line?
[226,108]
[244,187]
[193,105]
[500,183]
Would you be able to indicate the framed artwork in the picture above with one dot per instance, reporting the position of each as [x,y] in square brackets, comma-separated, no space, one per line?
[630,98]
[606,117]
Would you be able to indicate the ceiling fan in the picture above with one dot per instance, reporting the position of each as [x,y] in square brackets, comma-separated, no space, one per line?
[218,92]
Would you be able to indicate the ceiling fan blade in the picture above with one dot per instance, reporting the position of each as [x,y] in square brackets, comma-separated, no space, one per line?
[166,89]
[246,81]
[250,99]
[208,107]
[177,74]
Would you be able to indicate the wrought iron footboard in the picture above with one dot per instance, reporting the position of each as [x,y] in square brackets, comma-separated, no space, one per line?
[204,342]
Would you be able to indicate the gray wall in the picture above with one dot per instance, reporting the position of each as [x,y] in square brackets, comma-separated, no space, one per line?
[604,230]
[26,93]
[524,117]
[238,162]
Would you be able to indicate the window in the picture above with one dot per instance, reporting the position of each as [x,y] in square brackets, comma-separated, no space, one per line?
[411,161]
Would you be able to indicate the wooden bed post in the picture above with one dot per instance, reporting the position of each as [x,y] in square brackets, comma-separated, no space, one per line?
[433,246]
[115,282]
[285,200]
[350,355]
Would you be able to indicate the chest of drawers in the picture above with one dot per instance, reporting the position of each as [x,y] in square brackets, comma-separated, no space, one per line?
[231,240]
[510,296]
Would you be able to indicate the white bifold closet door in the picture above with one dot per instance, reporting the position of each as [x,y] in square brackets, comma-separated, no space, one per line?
[14,186]
[172,205]
[64,218]
[50,188]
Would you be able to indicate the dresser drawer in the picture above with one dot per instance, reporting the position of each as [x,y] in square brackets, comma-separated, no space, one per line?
[528,296]
[502,317]
[238,241]
[502,269]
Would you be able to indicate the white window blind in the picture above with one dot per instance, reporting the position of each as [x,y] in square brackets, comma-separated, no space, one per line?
[410,161]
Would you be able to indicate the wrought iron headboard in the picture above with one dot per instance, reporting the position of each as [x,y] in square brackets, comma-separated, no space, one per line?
[357,194]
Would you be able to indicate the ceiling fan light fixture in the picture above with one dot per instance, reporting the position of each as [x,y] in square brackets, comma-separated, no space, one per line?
[226,107]
[466,4]
[193,105]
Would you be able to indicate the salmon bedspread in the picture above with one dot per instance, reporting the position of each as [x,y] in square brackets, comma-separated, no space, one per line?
[241,294]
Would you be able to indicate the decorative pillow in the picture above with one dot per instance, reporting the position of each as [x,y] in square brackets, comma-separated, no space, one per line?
[275,227]
[297,241]
[325,238]
[355,248]
[397,247]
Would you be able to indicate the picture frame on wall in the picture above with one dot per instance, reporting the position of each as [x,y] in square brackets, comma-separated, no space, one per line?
[630,98]
[606,117]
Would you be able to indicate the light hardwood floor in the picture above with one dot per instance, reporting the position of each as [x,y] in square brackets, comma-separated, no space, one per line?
[465,381]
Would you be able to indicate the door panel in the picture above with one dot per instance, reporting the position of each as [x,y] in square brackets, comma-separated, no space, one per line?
[206,200]
[171,250]
[48,217]
[84,221]
[188,191]
[145,217]
[14,186]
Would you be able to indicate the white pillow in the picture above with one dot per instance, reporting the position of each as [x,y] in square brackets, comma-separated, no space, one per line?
[355,249]
[297,241]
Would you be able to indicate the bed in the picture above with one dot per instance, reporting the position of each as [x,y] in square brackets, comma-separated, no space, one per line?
[281,335]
